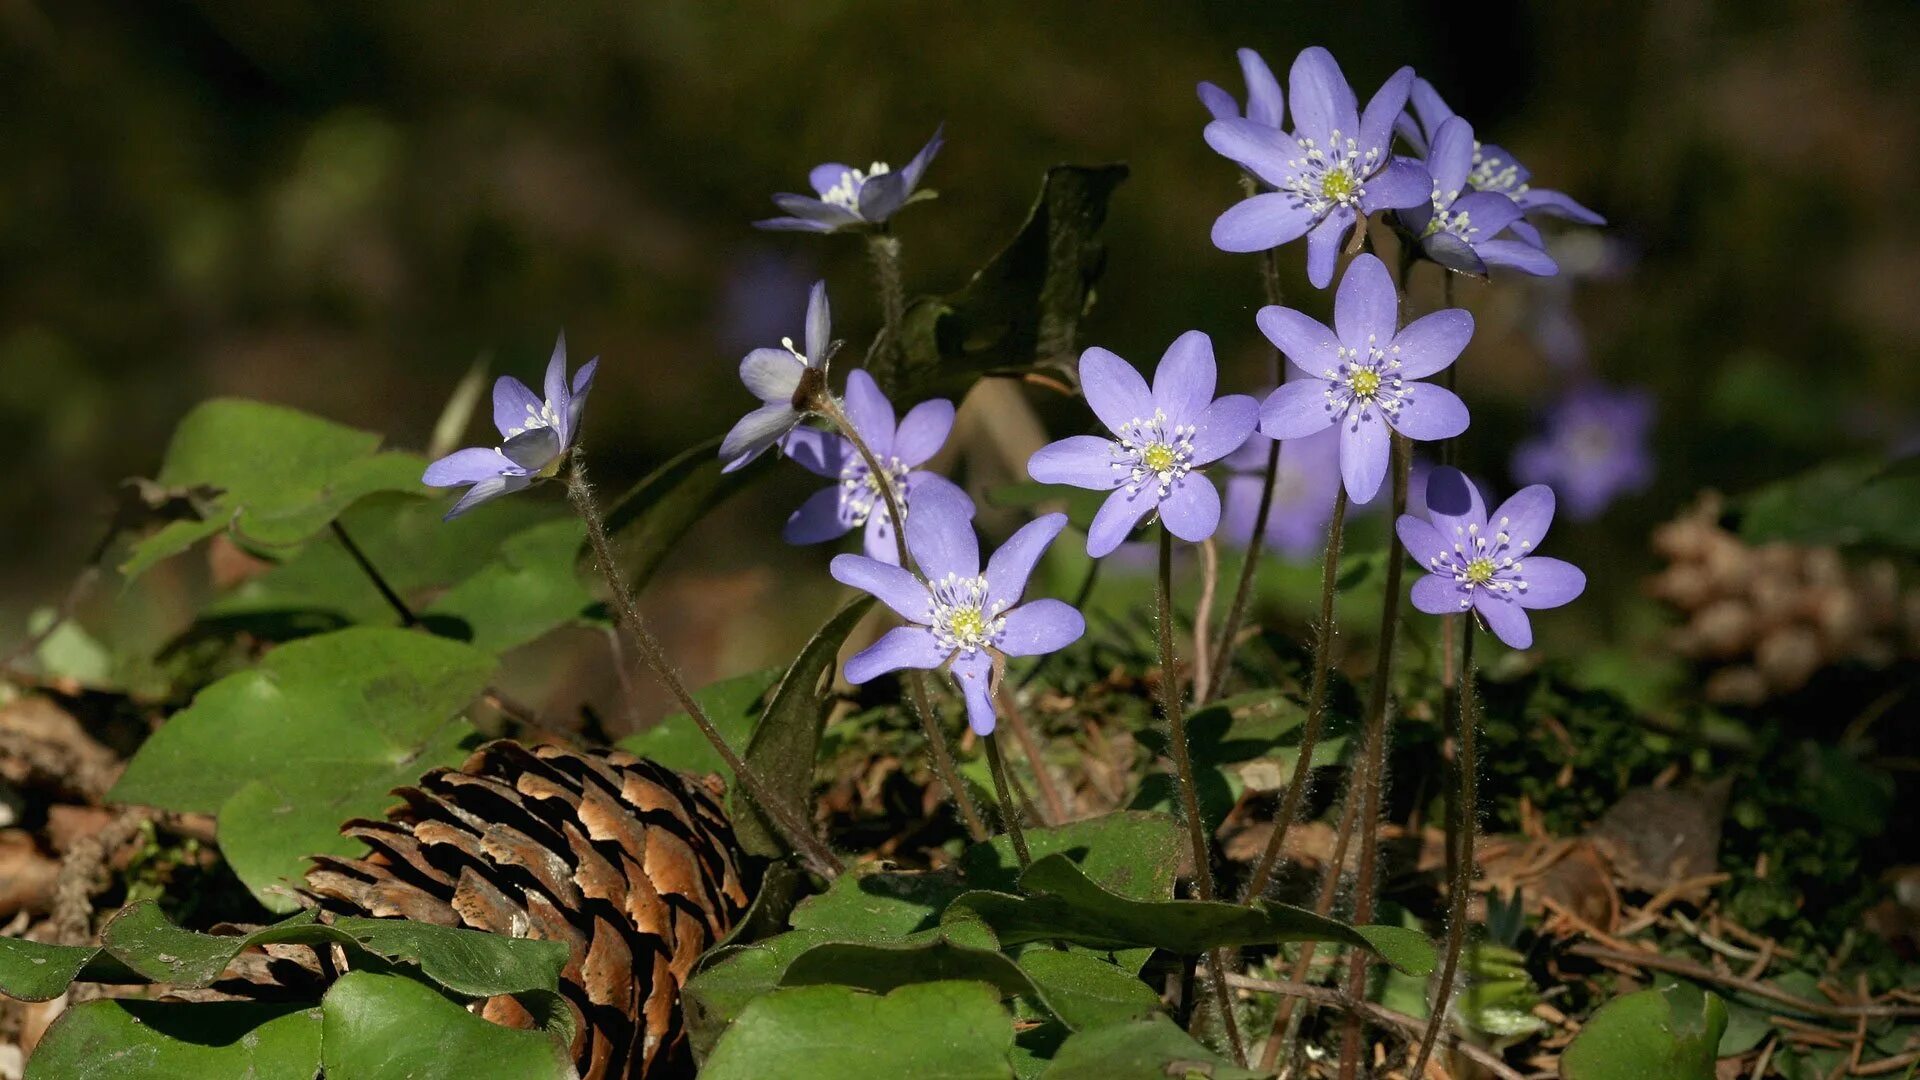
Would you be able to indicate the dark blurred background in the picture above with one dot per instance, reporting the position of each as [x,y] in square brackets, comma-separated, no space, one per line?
[341,206]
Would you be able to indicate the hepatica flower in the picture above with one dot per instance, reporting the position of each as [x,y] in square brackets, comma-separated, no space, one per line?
[774,376]
[851,199]
[1265,103]
[1485,565]
[855,501]
[1304,488]
[1466,229]
[1334,167]
[535,434]
[1594,448]
[1489,167]
[959,616]
[1361,374]
[1161,437]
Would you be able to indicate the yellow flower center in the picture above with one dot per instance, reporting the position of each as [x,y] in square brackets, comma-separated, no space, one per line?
[1337,185]
[1480,571]
[967,623]
[1365,383]
[1158,458]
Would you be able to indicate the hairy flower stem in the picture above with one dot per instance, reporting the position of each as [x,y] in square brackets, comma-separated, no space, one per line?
[1466,818]
[1285,1023]
[1009,811]
[1171,705]
[1030,746]
[1316,708]
[916,681]
[1256,544]
[889,355]
[818,856]
[1372,763]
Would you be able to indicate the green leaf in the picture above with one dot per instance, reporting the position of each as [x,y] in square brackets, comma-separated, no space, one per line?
[1062,903]
[1130,853]
[878,906]
[1841,504]
[650,518]
[734,976]
[1153,1049]
[35,971]
[469,962]
[786,741]
[1085,991]
[317,734]
[165,1040]
[1673,1033]
[1025,305]
[882,968]
[281,474]
[531,587]
[930,1031]
[389,1025]
[677,742]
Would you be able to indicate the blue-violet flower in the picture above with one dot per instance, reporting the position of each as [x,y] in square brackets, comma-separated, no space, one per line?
[775,376]
[1161,438]
[535,435]
[1265,103]
[1491,168]
[1304,488]
[852,199]
[1360,374]
[1594,448]
[959,616]
[1464,229]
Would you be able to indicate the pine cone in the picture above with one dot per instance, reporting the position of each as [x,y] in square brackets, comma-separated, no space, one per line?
[631,864]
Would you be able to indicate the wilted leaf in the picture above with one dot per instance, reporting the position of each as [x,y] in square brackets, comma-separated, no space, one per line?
[931,1031]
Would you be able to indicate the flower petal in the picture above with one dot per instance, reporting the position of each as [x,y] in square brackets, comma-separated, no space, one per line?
[754,432]
[792,224]
[922,432]
[1438,594]
[822,453]
[973,674]
[1261,149]
[533,449]
[772,375]
[1042,626]
[1428,106]
[1525,232]
[491,488]
[1401,183]
[1297,409]
[582,384]
[1219,104]
[513,405]
[1432,341]
[1183,382]
[1012,564]
[1191,511]
[1263,221]
[823,178]
[1117,517]
[1525,518]
[559,394]
[877,538]
[1305,340]
[1388,102]
[819,324]
[1550,583]
[900,647]
[916,168]
[1363,454]
[1423,542]
[1558,204]
[1453,253]
[1322,101]
[1265,104]
[871,413]
[1518,255]
[1453,505]
[906,594]
[1324,243]
[1451,159]
[807,208]
[469,466]
[940,534]
[1506,619]
[1082,461]
[824,516]
[1223,428]
[1428,413]
[1366,309]
[1114,389]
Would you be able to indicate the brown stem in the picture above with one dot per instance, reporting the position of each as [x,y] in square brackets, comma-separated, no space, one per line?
[916,681]
[1321,995]
[1466,818]
[1030,746]
[1651,961]
[1316,708]
[819,857]
[1373,758]
[1009,812]
[1323,906]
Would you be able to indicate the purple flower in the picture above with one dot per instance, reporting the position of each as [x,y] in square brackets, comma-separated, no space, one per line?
[852,198]
[1490,167]
[855,500]
[1265,103]
[535,435]
[1470,232]
[1360,374]
[773,375]
[1162,437]
[1304,488]
[959,616]
[1333,168]
[1487,566]
[1594,448]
